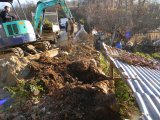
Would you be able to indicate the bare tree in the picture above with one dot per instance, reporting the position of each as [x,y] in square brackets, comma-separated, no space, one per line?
[127,14]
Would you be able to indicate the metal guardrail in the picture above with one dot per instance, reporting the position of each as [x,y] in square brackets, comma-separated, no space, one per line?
[144,82]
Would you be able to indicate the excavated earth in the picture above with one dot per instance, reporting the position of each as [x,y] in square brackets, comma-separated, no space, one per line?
[74,86]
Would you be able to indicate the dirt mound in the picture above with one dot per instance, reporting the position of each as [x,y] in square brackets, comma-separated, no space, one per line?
[86,71]
[74,103]
[76,89]
[46,72]
[137,60]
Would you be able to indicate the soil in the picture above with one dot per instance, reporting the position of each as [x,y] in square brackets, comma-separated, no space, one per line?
[137,60]
[74,87]
[133,59]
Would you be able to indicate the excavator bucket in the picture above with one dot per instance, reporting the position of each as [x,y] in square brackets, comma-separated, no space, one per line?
[81,34]
[74,32]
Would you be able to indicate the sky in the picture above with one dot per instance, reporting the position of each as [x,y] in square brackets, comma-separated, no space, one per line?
[21,1]
[15,2]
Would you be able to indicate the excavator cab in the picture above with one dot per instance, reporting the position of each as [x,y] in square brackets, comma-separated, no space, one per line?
[16,32]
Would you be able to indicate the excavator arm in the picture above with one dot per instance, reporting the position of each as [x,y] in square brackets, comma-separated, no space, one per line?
[40,11]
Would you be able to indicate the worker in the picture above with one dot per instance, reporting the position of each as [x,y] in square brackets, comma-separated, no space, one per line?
[70,33]
[6,17]
[118,45]
[94,31]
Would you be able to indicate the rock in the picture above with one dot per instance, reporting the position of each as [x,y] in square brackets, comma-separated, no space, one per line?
[101,71]
[36,92]
[33,116]
[65,53]
[12,69]
[43,110]
[94,62]
[103,86]
[112,83]
[20,117]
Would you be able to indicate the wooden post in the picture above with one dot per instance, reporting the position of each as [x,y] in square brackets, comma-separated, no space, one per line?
[111,71]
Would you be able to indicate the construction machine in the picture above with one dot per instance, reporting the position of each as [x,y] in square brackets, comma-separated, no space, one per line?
[20,36]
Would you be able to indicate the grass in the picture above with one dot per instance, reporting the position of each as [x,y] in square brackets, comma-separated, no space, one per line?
[145,55]
[104,64]
[149,56]
[156,56]
[124,97]
[24,91]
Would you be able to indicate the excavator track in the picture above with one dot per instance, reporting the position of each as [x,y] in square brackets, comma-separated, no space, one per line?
[34,50]
[46,45]
[18,52]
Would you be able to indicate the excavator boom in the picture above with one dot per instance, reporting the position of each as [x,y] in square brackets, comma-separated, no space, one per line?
[40,11]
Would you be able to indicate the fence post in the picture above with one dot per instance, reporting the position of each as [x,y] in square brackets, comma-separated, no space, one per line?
[111,72]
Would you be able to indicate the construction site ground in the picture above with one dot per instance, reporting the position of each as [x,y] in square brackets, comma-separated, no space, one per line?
[68,86]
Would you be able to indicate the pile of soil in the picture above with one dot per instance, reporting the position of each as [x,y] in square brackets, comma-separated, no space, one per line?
[86,71]
[75,89]
[137,60]
[132,59]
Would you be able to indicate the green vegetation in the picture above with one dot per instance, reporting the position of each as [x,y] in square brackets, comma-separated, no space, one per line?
[156,56]
[128,106]
[149,56]
[82,21]
[47,27]
[26,90]
[123,92]
[145,55]
[47,23]
[104,65]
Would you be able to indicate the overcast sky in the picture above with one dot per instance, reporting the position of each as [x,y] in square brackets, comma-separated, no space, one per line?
[15,2]
[21,1]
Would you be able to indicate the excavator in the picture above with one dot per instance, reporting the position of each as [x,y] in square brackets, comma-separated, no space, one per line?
[21,37]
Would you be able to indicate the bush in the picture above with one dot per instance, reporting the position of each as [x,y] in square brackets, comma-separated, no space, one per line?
[156,56]
[145,55]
